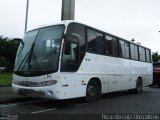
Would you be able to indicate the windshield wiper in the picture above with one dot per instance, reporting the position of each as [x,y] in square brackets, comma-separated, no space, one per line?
[23,61]
[29,57]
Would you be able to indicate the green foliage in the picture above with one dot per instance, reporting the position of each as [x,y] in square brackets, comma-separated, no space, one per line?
[155,56]
[5,78]
[2,61]
[8,49]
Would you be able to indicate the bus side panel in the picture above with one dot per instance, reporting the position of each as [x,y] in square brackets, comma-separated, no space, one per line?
[93,66]
[73,85]
[137,70]
[119,71]
[143,70]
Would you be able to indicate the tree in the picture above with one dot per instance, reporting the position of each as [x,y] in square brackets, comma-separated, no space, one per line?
[2,49]
[10,53]
[155,56]
[2,46]
[8,49]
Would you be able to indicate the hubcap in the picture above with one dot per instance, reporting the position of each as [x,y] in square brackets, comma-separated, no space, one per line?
[91,90]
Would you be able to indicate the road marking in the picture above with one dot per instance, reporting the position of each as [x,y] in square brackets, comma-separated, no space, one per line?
[21,103]
[47,110]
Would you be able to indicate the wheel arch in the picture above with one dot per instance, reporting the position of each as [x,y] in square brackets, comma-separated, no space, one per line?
[98,81]
[140,78]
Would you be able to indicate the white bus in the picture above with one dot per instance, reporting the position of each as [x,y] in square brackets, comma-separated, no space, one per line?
[71,60]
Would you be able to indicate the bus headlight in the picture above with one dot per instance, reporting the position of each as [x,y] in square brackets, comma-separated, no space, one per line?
[15,82]
[48,83]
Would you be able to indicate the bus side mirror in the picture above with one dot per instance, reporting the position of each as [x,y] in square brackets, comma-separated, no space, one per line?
[67,49]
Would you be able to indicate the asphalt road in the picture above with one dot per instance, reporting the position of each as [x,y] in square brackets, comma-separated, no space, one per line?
[120,103]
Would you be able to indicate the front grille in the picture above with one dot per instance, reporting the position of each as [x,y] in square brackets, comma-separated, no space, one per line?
[27,84]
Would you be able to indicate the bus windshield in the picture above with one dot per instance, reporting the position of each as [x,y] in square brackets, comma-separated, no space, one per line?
[40,51]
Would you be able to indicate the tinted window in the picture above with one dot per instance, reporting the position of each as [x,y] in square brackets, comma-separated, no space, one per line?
[91,37]
[127,55]
[132,51]
[95,42]
[79,31]
[111,46]
[41,51]
[122,48]
[100,43]
[136,52]
[142,55]
[148,55]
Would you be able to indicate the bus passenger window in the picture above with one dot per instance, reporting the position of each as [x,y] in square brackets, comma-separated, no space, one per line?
[142,55]
[122,48]
[136,52]
[127,50]
[95,42]
[148,56]
[91,36]
[100,43]
[132,51]
[111,46]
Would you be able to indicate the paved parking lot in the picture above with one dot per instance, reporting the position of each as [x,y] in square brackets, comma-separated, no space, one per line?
[123,103]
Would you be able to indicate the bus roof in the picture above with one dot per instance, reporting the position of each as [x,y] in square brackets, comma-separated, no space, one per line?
[65,22]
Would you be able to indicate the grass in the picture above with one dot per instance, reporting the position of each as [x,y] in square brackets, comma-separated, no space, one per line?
[5,78]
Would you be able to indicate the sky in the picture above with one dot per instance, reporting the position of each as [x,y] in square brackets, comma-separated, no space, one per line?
[138,19]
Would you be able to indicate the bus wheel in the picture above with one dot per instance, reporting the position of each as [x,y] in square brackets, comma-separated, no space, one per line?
[138,88]
[93,91]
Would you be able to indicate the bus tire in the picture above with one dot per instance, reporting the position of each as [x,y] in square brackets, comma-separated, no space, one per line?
[93,92]
[138,88]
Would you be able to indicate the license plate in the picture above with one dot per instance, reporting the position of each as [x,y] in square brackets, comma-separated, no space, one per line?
[26,92]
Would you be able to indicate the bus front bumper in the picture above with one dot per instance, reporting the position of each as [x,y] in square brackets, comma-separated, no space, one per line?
[36,92]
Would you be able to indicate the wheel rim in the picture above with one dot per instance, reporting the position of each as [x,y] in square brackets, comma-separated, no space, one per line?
[91,90]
